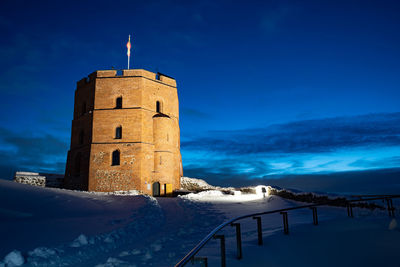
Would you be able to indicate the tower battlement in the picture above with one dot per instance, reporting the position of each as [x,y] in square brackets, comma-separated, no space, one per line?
[159,77]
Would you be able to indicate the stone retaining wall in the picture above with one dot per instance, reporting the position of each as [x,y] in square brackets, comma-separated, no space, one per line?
[39,179]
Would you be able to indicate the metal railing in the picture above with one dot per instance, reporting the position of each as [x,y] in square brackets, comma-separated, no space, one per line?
[191,256]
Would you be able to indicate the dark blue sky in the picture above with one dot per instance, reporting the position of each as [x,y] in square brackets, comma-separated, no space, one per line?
[265,88]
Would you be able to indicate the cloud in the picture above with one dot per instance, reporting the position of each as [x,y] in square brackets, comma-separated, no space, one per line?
[18,151]
[307,136]
[382,181]
[352,182]
[386,161]
[213,178]
[194,113]
[308,146]
[230,166]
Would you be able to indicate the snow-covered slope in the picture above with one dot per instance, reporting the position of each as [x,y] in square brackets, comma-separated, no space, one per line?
[54,227]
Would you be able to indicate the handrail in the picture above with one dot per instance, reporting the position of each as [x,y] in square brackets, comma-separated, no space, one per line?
[202,243]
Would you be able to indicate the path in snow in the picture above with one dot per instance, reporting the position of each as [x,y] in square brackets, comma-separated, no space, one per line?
[183,222]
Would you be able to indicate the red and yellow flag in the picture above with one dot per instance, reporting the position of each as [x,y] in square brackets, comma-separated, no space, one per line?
[128,45]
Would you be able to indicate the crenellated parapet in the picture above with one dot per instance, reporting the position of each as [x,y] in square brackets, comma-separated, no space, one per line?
[158,77]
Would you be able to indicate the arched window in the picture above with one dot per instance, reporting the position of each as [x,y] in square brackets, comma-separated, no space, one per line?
[78,163]
[118,102]
[81,137]
[118,132]
[158,107]
[115,158]
[83,108]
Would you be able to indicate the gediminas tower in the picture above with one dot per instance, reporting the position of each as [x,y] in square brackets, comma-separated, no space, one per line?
[125,133]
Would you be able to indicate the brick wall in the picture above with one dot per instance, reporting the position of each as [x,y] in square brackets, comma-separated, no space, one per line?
[150,144]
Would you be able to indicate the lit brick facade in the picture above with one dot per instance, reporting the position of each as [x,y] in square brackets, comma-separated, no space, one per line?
[125,133]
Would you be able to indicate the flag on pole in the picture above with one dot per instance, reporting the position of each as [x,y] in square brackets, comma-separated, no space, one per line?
[128,46]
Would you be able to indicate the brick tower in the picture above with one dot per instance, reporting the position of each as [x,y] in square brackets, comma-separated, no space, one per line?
[125,133]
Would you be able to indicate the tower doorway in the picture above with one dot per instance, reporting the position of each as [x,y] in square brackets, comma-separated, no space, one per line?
[156,189]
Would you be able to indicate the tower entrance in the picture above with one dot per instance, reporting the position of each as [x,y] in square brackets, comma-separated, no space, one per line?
[156,189]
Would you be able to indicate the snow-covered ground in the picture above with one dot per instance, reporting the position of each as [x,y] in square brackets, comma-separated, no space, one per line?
[340,242]
[371,238]
[54,227]
[214,196]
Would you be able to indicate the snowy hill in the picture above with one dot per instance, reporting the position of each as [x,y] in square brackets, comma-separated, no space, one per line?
[54,227]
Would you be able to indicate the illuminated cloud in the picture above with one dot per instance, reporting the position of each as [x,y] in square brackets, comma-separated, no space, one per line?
[309,136]
[310,146]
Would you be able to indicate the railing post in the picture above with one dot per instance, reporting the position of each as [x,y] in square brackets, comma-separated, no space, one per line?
[238,240]
[350,210]
[390,207]
[223,258]
[259,230]
[314,215]
[203,260]
[391,204]
[285,222]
